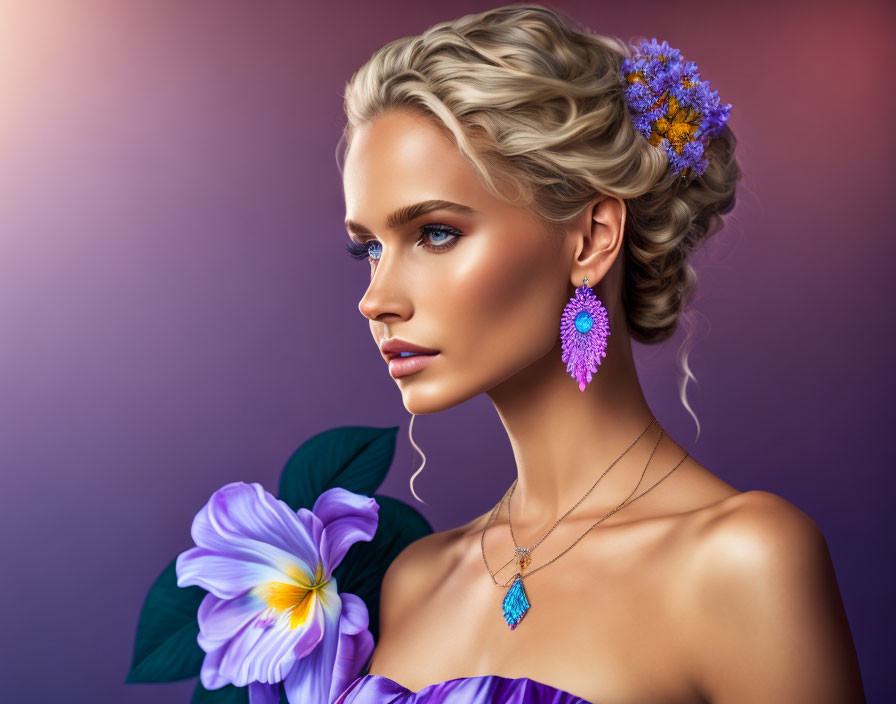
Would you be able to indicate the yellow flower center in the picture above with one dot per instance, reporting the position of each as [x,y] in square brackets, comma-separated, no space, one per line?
[295,599]
[678,125]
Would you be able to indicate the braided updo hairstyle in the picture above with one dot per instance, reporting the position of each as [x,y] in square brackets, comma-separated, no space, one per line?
[535,101]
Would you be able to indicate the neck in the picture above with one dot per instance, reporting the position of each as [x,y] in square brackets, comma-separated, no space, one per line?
[563,438]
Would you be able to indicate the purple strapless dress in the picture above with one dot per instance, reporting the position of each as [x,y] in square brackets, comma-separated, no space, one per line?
[484,689]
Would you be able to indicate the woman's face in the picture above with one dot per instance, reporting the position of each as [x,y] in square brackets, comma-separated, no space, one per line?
[483,283]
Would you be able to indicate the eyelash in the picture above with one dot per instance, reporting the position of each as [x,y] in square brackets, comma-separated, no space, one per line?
[362,250]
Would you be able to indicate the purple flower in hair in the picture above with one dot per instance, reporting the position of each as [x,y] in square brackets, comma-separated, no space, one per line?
[273,613]
[671,106]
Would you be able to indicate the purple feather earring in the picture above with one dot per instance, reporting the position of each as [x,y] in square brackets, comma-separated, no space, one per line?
[584,328]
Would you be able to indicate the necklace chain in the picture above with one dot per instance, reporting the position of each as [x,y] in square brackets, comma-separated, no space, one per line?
[557,522]
[521,554]
[625,503]
[525,553]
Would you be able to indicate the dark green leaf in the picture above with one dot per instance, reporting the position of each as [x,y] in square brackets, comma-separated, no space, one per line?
[354,457]
[228,694]
[165,649]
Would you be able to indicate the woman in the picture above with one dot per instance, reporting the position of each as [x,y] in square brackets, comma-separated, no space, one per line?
[492,164]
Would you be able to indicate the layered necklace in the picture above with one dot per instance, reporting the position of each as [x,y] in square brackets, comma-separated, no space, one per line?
[516,603]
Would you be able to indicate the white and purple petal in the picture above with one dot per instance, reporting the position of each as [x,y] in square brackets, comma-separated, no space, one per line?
[226,575]
[347,518]
[264,693]
[310,679]
[267,654]
[246,517]
[355,643]
[220,620]
[210,673]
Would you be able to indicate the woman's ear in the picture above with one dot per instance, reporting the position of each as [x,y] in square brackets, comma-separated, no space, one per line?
[599,239]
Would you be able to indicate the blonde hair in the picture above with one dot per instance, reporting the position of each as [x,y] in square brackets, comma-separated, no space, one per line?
[535,102]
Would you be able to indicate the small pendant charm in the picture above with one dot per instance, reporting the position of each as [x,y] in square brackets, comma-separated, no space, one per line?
[515,603]
[523,558]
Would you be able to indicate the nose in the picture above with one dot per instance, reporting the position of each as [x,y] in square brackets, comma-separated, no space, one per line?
[385,295]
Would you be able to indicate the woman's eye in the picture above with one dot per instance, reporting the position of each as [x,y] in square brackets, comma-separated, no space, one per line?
[435,237]
[364,250]
[442,236]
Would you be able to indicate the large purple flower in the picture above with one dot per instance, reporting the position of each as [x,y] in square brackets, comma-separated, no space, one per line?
[273,613]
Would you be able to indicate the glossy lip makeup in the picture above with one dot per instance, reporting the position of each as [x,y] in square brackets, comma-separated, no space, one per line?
[404,357]
[402,366]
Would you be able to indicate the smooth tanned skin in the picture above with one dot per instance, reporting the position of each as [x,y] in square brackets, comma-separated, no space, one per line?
[695,593]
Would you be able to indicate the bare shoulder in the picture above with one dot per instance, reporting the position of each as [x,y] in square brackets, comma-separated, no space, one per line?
[763,584]
[409,575]
[759,538]
[752,528]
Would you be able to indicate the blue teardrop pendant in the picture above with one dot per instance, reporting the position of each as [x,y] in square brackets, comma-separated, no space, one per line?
[515,603]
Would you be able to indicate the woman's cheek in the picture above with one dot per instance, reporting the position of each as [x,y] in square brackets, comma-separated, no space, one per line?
[494,297]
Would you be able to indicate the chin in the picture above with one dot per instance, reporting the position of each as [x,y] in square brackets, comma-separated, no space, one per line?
[427,397]
[424,396]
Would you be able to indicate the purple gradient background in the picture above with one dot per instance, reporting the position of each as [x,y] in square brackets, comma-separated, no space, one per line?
[177,311]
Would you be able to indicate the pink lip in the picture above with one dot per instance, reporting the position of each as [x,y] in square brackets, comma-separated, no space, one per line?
[402,366]
[395,346]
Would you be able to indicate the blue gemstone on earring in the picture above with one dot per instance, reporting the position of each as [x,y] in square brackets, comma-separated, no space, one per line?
[584,321]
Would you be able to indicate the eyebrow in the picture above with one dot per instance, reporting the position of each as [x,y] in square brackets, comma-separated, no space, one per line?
[408,213]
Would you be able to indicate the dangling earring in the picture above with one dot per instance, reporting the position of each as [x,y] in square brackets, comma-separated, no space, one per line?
[584,328]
